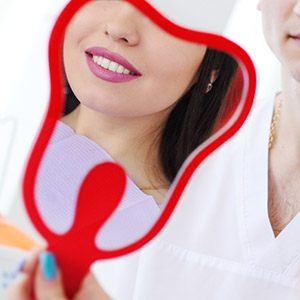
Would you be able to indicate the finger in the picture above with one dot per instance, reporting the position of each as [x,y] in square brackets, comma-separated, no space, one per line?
[31,263]
[91,289]
[48,282]
[22,286]
[20,289]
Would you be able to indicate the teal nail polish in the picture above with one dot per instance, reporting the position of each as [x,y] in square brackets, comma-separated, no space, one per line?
[48,265]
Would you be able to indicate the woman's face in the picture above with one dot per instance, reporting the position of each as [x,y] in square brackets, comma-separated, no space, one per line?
[281,23]
[114,35]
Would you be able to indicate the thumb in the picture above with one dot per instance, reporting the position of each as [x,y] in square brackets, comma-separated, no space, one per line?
[48,281]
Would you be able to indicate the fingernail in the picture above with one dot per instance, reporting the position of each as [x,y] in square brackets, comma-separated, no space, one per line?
[48,265]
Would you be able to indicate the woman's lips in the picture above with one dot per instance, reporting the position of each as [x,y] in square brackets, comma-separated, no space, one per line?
[295,36]
[110,66]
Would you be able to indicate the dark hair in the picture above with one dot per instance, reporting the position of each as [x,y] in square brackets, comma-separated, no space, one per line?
[195,115]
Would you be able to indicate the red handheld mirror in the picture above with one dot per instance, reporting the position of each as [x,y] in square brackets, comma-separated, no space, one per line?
[103,188]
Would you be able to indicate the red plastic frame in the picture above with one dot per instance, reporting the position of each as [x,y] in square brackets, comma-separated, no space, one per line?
[54,110]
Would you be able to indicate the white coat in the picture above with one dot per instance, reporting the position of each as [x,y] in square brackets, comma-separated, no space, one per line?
[219,243]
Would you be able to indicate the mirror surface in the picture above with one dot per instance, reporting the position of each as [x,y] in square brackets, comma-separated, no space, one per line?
[137,96]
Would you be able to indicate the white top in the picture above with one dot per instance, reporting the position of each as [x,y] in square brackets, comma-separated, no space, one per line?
[67,160]
[219,243]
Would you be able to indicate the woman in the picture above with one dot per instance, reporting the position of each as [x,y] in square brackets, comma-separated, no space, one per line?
[136,94]
[185,84]
[138,100]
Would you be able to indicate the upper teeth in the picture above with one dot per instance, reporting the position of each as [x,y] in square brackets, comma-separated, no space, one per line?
[110,65]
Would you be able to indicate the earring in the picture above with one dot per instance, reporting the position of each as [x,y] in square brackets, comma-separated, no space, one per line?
[209,87]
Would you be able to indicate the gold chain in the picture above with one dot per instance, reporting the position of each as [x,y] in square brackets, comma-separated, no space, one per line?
[146,188]
[275,118]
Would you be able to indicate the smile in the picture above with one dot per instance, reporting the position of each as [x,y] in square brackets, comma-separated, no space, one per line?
[110,66]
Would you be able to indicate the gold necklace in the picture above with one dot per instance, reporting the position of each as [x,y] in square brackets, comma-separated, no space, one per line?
[154,187]
[275,118]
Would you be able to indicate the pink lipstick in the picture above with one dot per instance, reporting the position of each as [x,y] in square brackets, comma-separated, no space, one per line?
[295,37]
[110,66]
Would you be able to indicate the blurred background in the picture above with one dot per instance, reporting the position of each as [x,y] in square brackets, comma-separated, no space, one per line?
[25,28]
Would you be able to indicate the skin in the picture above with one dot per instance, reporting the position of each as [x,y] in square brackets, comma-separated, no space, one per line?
[281,24]
[126,118]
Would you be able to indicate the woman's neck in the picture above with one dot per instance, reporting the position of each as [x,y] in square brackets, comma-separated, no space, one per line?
[132,142]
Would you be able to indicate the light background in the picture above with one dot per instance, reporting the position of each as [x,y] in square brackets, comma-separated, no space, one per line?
[24,32]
